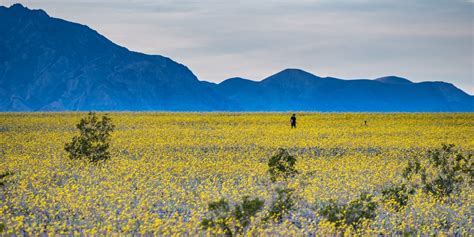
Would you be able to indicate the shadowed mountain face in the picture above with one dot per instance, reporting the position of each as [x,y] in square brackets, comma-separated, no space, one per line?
[51,64]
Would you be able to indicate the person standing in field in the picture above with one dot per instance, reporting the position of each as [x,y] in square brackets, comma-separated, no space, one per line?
[293,121]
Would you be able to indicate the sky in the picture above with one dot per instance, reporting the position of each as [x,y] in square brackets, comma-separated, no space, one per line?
[422,40]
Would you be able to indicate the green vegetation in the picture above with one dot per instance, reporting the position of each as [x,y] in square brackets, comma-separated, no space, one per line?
[351,214]
[234,221]
[282,205]
[443,173]
[282,165]
[399,194]
[92,144]
[3,176]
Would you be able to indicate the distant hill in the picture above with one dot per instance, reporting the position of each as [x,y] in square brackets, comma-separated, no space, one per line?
[48,64]
[297,90]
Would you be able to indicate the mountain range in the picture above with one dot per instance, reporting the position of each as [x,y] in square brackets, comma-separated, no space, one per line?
[49,64]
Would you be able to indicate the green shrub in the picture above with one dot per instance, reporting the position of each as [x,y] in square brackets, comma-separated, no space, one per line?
[232,221]
[282,165]
[219,217]
[2,227]
[282,205]
[243,212]
[333,212]
[3,176]
[362,208]
[444,172]
[92,143]
[398,193]
[351,214]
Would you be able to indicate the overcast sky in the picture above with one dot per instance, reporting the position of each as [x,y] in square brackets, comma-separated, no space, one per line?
[422,40]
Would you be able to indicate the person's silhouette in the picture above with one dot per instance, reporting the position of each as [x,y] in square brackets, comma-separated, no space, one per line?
[293,121]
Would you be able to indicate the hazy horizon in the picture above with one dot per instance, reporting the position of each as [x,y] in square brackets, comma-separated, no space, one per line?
[419,40]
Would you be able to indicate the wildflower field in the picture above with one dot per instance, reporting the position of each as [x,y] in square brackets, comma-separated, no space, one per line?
[165,169]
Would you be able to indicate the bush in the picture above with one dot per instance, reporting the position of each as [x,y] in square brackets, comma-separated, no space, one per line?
[92,144]
[243,212]
[333,212]
[351,214]
[399,194]
[360,209]
[282,165]
[232,221]
[219,216]
[3,176]
[444,172]
[282,205]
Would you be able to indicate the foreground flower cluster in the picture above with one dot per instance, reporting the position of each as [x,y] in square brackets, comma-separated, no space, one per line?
[167,167]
